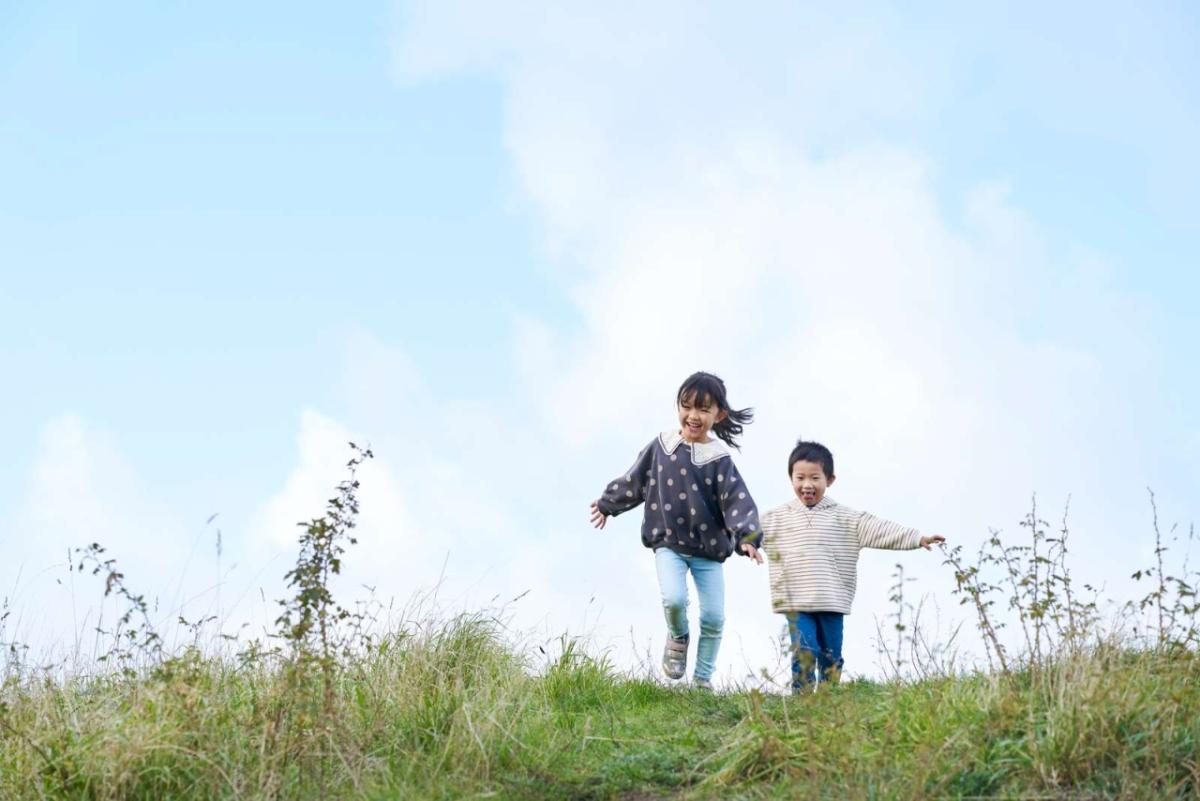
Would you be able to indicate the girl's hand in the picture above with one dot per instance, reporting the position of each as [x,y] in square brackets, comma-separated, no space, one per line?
[936,539]
[598,517]
[752,552]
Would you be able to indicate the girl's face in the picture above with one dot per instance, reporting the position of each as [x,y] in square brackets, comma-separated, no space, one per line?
[695,420]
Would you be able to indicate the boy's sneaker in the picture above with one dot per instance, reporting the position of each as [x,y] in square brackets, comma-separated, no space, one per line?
[674,662]
[702,684]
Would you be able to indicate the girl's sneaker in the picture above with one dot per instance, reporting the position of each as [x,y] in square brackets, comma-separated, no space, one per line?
[674,662]
[702,684]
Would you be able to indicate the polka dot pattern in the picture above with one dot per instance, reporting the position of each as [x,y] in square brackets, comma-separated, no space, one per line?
[706,513]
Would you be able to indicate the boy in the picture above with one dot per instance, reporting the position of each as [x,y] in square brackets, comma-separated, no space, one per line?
[812,545]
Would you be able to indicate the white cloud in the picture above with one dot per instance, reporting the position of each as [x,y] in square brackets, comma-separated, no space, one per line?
[82,490]
[718,198]
[385,532]
[323,452]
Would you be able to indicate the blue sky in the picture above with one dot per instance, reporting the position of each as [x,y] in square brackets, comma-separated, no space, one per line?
[958,245]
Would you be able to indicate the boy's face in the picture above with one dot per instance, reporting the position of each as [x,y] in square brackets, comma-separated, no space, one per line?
[810,482]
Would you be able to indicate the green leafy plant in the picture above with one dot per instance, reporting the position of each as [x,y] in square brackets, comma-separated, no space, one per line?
[1172,599]
[134,635]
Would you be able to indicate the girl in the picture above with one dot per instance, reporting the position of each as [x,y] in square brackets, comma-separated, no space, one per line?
[698,512]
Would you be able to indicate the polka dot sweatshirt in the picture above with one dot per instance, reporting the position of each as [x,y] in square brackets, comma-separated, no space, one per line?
[696,502]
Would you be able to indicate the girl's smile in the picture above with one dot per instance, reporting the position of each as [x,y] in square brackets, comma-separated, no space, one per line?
[697,417]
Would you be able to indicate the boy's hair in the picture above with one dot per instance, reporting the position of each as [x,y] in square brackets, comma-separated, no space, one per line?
[705,388]
[811,452]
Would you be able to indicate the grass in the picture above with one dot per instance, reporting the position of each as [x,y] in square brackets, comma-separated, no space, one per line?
[451,711]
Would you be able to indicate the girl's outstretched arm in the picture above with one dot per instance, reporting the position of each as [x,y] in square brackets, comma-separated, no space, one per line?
[752,552]
[626,491]
[598,517]
[740,512]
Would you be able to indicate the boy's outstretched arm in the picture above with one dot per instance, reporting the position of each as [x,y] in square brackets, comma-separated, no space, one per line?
[875,532]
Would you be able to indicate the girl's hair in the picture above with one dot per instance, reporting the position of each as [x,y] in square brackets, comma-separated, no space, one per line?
[705,388]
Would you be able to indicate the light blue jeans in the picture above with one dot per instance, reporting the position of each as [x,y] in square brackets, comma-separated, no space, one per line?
[709,579]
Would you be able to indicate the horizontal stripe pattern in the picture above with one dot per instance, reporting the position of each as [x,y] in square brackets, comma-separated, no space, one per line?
[812,554]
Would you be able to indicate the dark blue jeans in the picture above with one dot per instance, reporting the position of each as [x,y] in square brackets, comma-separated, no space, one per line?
[816,644]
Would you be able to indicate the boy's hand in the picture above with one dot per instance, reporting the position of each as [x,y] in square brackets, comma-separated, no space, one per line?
[752,552]
[936,539]
[598,517]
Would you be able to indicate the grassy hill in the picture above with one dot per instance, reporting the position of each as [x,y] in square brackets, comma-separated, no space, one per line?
[451,712]
[452,709]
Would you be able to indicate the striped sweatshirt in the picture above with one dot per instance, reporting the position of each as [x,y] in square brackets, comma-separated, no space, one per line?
[812,554]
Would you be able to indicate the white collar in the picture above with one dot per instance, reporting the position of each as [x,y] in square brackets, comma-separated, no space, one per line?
[702,452]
